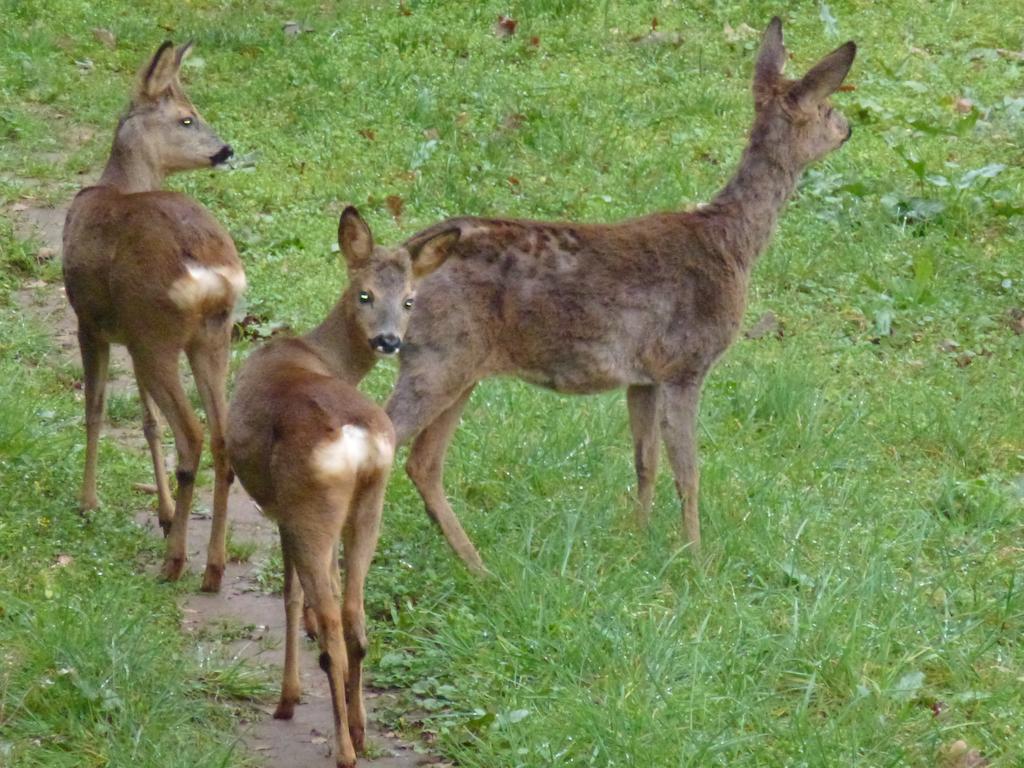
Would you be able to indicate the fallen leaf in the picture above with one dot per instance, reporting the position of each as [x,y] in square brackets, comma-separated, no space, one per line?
[505,26]
[294,28]
[963,105]
[63,561]
[513,121]
[658,38]
[962,361]
[395,204]
[535,41]
[85,65]
[105,37]
[45,254]
[1016,319]
[948,345]
[513,181]
[403,9]
[766,324]
[368,133]
[960,755]
[847,88]
[431,134]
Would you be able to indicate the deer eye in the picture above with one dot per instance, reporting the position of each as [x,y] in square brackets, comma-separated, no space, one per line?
[408,303]
[187,122]
[365,297]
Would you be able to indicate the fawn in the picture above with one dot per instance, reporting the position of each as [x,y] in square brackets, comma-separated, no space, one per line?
[315,455]
[649,303]
[156,272]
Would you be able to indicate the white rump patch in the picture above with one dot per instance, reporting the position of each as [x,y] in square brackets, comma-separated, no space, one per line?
[352,450]
[202,283]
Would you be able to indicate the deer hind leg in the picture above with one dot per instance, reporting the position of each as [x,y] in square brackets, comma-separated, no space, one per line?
[151,429]
[642,402]
[290,686]
[209,363]
[95,362]
[425,467]
[157,372]
[359,539]
[679,428]
[313,553]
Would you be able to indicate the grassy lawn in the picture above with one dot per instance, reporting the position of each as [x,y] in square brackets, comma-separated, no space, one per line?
[858,599]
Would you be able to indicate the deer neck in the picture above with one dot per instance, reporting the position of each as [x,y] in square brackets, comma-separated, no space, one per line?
[339,343]
[745,212]
[130,168]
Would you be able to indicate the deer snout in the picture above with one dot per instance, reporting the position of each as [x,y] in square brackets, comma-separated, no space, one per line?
[222,155]
[386,343]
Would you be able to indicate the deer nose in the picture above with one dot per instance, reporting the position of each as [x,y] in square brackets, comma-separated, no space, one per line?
[222,155]
[386,343]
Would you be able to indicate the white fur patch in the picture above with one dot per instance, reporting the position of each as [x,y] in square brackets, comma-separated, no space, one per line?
[352,450]
[202,283]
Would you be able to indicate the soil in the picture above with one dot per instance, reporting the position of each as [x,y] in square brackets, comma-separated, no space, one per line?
[241,606]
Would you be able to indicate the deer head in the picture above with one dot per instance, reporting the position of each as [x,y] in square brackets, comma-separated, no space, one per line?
[795,115]
[162,127]
[382,281]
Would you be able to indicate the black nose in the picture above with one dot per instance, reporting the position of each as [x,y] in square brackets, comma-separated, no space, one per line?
[386,343]
[222,155]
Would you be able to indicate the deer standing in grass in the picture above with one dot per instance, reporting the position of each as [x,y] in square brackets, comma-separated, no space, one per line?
[315,455]
[156,272]
[648,304]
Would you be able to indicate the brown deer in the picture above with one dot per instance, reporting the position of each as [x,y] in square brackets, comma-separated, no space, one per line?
[648,304]
[155,271]
[315,455]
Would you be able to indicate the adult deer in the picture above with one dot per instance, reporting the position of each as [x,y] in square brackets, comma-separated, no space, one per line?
[648,304]
[315,454]
[155,271]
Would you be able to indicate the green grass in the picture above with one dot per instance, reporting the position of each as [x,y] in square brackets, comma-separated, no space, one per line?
[862,477]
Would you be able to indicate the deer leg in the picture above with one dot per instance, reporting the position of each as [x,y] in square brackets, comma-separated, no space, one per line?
[642,402]
[290,687]
[95,361]
[157,373]
[425,466]
[210,366]
[679,429]
[359,538]
[314,555]
[151,429]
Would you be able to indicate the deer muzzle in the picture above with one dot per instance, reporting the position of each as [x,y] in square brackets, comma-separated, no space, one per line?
[222,155]
[386,343]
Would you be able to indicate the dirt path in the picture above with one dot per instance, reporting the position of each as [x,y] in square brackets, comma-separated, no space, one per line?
[241,606]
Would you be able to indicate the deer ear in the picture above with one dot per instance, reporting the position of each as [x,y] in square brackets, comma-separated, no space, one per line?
[429,253]
[180,54]
[825,77]
[770,59]
[159,75]
[354,238]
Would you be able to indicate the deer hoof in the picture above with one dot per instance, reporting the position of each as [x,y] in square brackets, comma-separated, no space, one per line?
[173,567]
[212,578]
[165,526]
[285,709]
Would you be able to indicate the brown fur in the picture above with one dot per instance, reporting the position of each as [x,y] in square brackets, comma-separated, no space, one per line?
[131,256]
[294,396]
[648,304]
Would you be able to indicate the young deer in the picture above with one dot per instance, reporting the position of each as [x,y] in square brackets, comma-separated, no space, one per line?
[315,454]
[155,271]
[648,304]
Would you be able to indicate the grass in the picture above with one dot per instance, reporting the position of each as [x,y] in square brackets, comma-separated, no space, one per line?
[857,601]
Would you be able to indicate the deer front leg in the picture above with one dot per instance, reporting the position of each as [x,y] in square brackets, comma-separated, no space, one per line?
[679,428]
[642,401]
[95,361]
[151,429]
[425,467]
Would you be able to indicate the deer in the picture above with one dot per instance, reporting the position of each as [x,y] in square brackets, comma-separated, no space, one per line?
[315,455]
[155,271]
[649,304]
